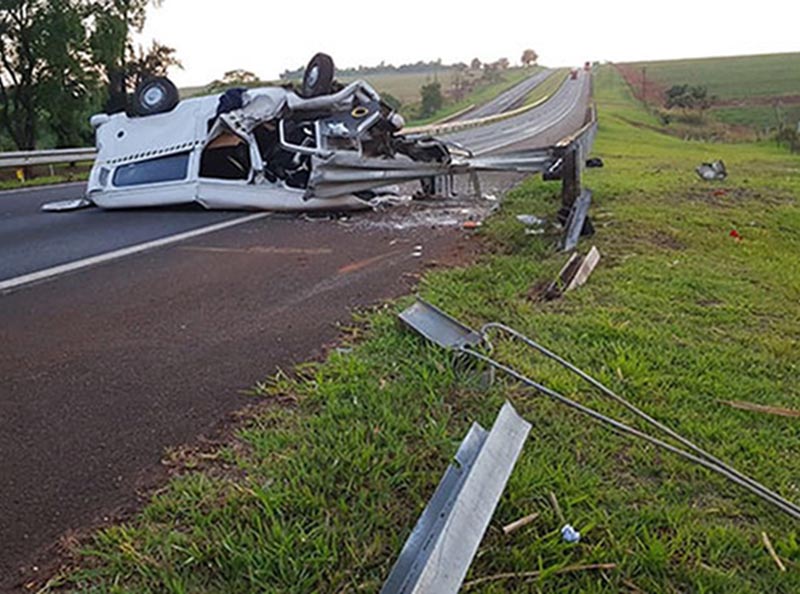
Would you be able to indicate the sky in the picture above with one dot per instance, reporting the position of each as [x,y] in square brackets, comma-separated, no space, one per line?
[266,38]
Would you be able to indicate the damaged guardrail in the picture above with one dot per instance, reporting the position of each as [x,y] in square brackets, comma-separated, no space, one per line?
[570,159]
[451,334]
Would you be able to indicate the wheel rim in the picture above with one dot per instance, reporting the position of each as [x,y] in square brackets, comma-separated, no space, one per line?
[313,76]
[153,96]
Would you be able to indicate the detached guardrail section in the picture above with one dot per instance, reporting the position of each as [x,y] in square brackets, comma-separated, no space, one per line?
[571,154]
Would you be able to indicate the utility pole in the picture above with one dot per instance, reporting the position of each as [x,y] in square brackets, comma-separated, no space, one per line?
[644,84]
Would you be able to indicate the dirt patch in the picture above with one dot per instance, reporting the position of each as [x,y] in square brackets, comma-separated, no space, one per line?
[725,196]
[666,240]
[642,87]
[766,101]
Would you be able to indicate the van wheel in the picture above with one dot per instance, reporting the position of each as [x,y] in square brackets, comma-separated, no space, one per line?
[318,78]
[157,95]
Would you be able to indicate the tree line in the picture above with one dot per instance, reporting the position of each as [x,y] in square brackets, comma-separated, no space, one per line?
[529,58]
[63,60]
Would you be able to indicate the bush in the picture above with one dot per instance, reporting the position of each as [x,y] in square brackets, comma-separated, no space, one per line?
[432,99]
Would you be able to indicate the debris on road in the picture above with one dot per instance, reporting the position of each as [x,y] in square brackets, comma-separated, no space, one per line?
[441,547]
[715,171]
[66,205]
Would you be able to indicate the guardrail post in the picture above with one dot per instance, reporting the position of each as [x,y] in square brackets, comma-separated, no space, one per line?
[575,200]
[570,181]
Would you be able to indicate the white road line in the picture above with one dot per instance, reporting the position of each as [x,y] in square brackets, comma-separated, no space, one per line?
[14,283]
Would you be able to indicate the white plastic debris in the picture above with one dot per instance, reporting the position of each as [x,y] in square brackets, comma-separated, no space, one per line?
[712,171]
[530,220]
[570,535]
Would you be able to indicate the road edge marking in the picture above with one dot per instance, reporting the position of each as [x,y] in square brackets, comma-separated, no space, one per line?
[9,285]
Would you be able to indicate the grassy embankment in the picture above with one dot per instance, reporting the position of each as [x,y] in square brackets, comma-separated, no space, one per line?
[323,485]
[746,85]
[44,176]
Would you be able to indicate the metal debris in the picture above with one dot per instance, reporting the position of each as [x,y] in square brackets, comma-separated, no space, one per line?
[449,333]
[441,547]
[712,171]
[574,274]
[67,205]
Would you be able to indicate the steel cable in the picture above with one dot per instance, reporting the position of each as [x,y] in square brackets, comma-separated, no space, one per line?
[749,484]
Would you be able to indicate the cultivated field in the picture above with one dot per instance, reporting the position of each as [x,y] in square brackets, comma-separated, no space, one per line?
[748,88]
[731,78]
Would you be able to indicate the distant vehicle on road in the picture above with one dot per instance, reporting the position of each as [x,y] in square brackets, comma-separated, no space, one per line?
[573,74]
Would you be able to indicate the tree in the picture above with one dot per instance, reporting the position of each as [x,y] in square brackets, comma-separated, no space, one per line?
[503,63]
[688,97]
[156,61]
[432,99]
[115,22]
[45,73]
[475,64]
[491,72]
[529,57]
[233,79]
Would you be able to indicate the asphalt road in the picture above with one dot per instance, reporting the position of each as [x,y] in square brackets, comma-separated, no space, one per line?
[106,367]
[539,127]
[509,100]
[31,240]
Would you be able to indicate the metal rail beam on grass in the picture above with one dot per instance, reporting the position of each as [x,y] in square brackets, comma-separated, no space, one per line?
[441,547]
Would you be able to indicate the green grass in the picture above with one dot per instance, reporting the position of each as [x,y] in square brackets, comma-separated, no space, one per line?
[735,77]
[322,486]
[746,85]
[759,117]
[60,174]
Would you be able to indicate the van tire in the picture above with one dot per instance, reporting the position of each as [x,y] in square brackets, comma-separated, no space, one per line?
[155,95]
[318,77]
